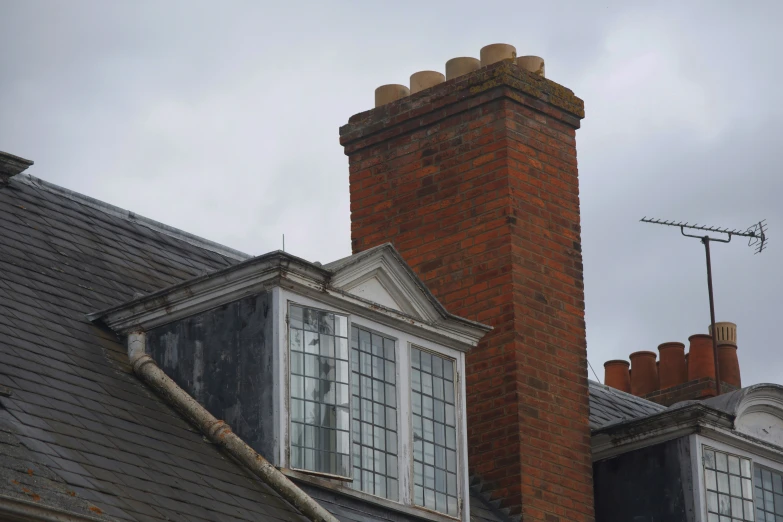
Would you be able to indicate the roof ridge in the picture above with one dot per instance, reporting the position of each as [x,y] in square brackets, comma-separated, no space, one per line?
[132,217]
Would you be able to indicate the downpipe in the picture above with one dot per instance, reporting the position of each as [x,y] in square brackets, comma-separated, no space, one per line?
[218,432]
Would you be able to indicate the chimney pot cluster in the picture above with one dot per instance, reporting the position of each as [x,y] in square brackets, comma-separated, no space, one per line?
[457,67]
[644,376]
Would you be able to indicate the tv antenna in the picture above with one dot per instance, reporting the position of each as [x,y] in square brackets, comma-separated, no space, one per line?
[757,238]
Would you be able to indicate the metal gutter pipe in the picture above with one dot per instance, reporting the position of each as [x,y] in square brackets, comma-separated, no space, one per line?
[218,432]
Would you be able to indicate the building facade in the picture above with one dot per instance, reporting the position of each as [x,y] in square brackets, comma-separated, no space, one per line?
[438,373]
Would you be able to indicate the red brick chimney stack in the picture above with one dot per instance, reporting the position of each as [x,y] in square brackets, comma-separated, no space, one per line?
[475,182]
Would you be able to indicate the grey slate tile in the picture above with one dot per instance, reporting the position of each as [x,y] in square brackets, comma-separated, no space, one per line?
[55,266]
[608,406]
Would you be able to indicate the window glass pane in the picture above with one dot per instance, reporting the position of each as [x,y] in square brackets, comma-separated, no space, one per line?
[768,488]
[729,494]
[319,408]
[434,432]
[377,394]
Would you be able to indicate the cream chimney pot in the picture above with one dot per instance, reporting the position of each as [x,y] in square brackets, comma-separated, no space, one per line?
[389,93]
[496,52]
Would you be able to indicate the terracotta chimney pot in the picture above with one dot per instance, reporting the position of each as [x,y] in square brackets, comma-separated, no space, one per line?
[617,375]
[729,365]
[644,378]
[701,362]
[672,370]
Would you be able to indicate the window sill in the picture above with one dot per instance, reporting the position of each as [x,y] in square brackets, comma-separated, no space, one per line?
[337,486]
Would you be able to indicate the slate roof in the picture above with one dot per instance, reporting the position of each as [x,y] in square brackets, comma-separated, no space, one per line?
[80,433]
[609,406]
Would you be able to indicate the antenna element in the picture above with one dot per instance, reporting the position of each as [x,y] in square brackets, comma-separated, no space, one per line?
[757,235]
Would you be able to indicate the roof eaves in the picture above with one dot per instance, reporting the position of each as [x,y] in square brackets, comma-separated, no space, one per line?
[208,290]
[624,436]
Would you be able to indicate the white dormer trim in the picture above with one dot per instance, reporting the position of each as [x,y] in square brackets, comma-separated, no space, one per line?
[760,414]
[420,313]
[393,277]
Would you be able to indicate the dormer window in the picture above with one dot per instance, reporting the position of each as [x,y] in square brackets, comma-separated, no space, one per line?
[345,375]
[374,406]
[320,410]
[403,440]
[434,431]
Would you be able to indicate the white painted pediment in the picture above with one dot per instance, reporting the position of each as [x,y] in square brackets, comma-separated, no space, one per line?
[372,289]
[381,277]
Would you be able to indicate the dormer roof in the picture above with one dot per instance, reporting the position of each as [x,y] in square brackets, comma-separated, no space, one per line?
[376,283]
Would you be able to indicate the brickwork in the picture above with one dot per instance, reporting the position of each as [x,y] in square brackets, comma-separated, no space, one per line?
[475,182]
[697,389]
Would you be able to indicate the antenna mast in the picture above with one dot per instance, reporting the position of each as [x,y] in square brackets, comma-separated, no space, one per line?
[757,235]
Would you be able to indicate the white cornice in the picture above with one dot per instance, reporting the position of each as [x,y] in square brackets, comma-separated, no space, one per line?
[672,424]
[623,437]
[280,269]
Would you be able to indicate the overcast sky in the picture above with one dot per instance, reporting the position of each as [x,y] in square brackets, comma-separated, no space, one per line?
[221,118]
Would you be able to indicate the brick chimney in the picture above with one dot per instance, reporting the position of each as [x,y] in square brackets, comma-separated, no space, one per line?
[474,180]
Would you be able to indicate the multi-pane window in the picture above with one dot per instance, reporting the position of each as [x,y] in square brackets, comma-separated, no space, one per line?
[769,495]
[374,403]
[433,409]
[729,487]
[320,410]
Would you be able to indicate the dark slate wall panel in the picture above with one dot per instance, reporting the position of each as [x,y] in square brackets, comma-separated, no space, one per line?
[652,484]
[223,358]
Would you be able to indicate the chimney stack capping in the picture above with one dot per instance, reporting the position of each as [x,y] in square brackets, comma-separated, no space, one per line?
[457,67]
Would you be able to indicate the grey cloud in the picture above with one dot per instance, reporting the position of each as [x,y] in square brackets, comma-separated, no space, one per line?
[222,119]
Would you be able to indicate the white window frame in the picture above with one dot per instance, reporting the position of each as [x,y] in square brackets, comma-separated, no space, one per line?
[404,340]
[698,442]
[288,388]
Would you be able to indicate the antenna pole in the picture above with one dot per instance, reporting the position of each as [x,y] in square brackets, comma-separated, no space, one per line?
[757,238]
[714,335]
